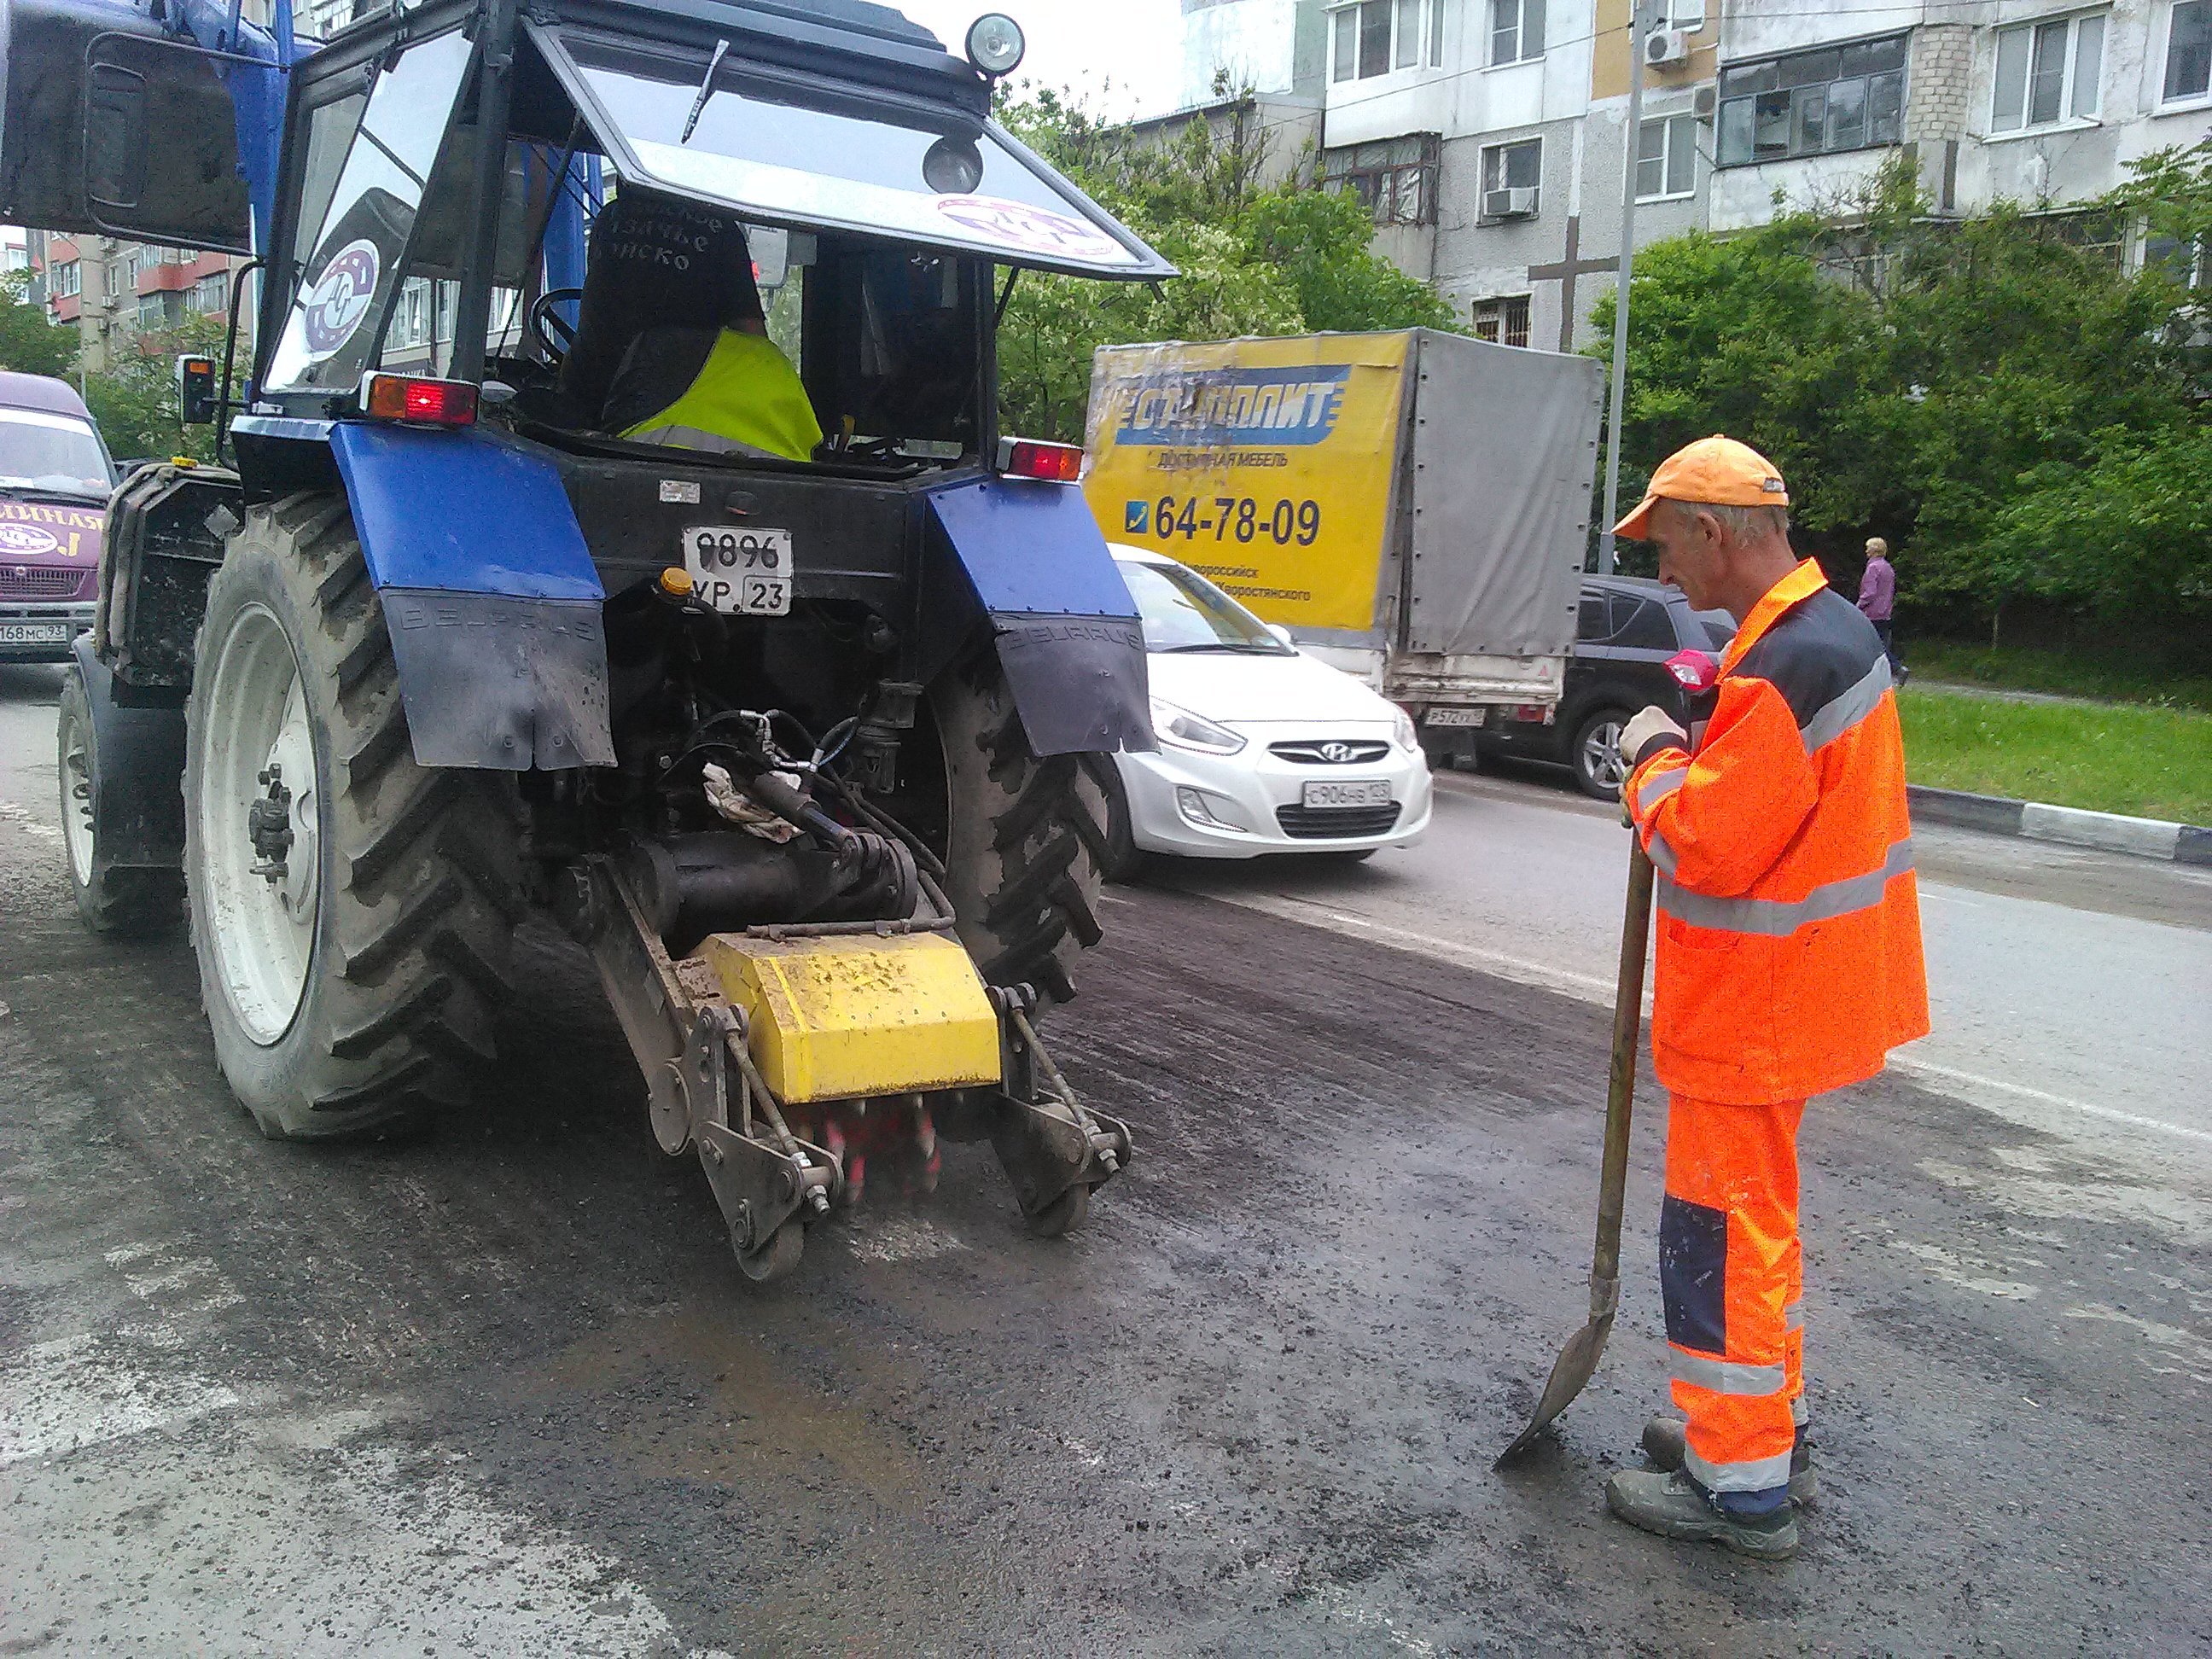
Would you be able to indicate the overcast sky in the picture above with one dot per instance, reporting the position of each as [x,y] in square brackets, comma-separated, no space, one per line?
[1126,54]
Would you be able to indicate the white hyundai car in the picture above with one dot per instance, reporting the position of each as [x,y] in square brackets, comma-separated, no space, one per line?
[1262,750]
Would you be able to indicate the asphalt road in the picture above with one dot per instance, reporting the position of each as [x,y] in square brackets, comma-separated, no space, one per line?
[503,1392]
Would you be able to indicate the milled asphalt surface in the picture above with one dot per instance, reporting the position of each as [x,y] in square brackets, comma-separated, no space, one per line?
[503,1392]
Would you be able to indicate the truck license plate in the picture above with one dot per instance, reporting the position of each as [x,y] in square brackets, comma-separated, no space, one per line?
[1375,792]
[1457,717]
[743,573]
[34,633]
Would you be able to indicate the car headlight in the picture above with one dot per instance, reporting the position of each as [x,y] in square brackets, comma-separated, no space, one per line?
[1402,729]
[1181,729]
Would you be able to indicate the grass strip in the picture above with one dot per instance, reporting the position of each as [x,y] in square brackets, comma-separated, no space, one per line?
[2146,762]
[2074,673]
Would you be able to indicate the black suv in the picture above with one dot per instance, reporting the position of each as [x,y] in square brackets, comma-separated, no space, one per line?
[1628,627]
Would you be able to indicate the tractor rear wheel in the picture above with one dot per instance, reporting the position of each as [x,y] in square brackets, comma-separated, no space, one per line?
[1024,837]
[352,912]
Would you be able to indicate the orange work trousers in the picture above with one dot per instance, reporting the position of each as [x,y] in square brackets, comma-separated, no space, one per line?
[1733,1278]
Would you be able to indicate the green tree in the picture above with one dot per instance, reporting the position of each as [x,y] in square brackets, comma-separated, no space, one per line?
[1924,378]
[134,399]
[30,343]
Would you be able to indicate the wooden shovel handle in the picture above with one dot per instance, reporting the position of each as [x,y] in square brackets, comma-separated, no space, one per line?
[1621,1087]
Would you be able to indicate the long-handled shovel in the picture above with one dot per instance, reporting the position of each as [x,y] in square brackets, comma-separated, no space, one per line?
[1577,1361]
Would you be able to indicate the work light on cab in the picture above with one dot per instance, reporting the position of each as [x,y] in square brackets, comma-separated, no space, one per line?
[996,44]
[1032,458]
[419,400]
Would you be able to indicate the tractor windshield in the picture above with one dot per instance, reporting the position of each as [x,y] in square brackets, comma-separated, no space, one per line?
[815,156]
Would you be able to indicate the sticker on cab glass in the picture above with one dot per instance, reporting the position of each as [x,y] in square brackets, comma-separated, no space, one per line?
[1017,224]
[340,298]
[27,539]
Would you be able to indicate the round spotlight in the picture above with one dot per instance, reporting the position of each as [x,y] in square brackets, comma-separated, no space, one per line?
[996,44]
[953,167]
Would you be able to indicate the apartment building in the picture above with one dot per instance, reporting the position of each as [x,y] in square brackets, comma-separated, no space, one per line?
[120,294]
[1488,137]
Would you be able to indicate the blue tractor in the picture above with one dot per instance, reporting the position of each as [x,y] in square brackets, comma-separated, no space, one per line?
[617,522]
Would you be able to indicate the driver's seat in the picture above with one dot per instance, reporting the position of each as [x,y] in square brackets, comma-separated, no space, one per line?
[656,262]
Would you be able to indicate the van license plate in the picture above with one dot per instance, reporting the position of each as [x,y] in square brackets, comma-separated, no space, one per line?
[1457,717]
[34,633]
[743,573]
[1375,792]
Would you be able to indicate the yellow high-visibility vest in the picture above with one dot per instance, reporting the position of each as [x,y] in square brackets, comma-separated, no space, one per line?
[747,400]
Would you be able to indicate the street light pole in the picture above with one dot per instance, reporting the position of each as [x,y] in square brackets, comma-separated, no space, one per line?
[1632,141]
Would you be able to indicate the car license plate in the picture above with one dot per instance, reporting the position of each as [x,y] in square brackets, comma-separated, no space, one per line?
[1375,792]
[743,573]
[1458,717]
[34,633]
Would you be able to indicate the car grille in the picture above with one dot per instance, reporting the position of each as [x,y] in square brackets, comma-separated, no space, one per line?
[1326,751]
[38,583]
[1328,822]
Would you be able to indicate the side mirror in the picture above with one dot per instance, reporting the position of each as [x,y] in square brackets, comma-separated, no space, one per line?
[196,389]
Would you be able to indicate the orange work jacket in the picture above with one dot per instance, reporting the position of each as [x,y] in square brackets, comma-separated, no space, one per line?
[1788,921]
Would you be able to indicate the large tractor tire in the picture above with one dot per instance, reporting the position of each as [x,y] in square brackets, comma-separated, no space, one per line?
[1024,838]
[110,900]
[352,912]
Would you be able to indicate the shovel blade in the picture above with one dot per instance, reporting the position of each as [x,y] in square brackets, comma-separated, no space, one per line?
[1575,1365]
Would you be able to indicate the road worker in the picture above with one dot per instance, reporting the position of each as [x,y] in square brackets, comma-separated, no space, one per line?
[1788,965]
[671,343]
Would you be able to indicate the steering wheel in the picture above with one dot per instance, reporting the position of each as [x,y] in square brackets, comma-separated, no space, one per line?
[554,334]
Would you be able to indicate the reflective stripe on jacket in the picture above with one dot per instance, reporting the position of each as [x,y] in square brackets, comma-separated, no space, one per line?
[746,399]
[1789,934]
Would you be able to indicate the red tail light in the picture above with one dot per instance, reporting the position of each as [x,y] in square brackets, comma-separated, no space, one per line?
[1032,458]
[412,397]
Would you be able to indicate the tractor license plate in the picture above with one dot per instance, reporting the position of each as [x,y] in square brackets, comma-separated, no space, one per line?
[745,572]
[1375,792]
[1457,717]
[34,633]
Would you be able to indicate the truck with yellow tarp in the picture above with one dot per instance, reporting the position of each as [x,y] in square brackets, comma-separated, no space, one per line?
[1413,507]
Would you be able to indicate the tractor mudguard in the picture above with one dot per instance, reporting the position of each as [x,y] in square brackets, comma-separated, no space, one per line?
[489,593]
[140,809]
[1030,556]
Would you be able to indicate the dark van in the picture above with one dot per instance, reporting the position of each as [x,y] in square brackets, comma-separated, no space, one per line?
[55,477]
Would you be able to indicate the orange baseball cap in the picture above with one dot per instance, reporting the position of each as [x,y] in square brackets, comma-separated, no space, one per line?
[1717,471]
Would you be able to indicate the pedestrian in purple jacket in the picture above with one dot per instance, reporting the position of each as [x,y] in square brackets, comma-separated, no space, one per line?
[1878,598]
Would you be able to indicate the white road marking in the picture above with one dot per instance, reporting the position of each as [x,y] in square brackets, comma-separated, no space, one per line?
[21,818]
[64,1395]
[1953,1270]
[1589,988]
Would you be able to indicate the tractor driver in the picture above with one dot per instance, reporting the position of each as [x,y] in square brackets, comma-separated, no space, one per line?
[671,344]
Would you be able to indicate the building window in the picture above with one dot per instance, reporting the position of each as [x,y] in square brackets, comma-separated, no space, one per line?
[1685,14]
[412,316]
[111,273]
[1503,320]
[1510,175]
[1813,103]
[1666,158]
[69,279]
[2189,52]
[2047,73]
[1516,30]
[1378,36]
[2189,263]
[209,297]
[1395,179]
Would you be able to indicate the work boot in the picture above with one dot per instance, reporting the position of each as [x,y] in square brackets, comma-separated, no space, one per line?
[1664,1445]
[1675,1506]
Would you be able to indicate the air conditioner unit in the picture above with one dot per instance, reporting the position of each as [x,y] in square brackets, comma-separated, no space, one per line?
[1702,103]
[1510,204]
[1665,47]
